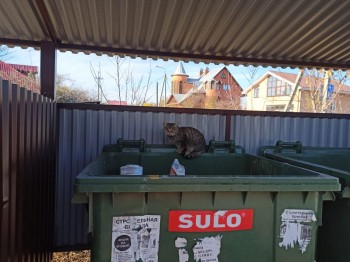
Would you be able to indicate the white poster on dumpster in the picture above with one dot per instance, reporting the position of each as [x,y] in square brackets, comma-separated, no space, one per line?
[296,228]
[207,249]
[135,238]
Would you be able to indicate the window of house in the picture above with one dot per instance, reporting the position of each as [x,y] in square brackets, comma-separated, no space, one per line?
[180,88]
[277,87]
[226,87]
[218,85]
[332,107]
[212,85]
[275,107]
[223,76]
[256,92]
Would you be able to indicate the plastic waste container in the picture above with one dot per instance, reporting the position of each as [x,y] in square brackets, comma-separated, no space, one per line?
[334,235]
[230,206]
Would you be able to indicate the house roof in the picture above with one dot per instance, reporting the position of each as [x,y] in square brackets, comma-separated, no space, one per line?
[180,70]
[117,103]
[285,33]
[14,73]
[179,98]
[290,78]
[25,68]
[211,74]
[192,80]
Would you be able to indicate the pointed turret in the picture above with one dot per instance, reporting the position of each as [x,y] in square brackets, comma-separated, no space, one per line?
[179,83]
[180,70]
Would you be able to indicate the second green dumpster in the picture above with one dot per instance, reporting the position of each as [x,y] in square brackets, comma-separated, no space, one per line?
[334,235]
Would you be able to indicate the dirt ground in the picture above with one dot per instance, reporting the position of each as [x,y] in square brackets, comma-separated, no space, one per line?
[81,256]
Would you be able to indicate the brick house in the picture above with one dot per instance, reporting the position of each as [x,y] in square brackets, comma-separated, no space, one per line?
[22,75]
[217,86]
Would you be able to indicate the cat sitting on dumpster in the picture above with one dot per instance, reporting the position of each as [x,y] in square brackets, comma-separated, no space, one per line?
[189,141]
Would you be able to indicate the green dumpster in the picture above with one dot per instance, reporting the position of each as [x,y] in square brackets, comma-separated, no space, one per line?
[334,235]
[230,206]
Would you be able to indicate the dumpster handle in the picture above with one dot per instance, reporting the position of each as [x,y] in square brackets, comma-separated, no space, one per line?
[294,145]
[262,149]
[130,143]
[215,144]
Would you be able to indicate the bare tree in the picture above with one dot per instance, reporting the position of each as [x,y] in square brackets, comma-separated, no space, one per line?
[129,88]
[251,73]
[4,53]
[68,92]
[231,99]
[98,80]
[318,99]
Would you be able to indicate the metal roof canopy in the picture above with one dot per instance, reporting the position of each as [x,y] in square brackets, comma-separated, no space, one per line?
[286,33]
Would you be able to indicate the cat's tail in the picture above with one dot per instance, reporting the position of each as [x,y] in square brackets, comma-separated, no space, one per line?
[192,155]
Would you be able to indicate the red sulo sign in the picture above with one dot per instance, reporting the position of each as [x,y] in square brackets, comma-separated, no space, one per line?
[210,220]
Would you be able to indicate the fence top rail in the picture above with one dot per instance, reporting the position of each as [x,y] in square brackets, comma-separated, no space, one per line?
[96,107]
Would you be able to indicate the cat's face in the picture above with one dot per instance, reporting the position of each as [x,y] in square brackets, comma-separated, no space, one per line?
[170,129]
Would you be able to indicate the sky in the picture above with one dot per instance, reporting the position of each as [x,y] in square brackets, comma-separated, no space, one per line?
[77,68]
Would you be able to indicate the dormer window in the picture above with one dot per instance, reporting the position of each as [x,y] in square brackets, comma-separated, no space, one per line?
[277,87]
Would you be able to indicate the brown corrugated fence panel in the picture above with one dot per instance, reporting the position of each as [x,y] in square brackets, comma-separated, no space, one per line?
[84,129]
[27,183]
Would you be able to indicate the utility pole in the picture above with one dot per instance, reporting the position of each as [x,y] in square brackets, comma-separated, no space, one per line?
[98,80]
[295,88]
[326,88]
[163,86]
[165,90]
[157,95]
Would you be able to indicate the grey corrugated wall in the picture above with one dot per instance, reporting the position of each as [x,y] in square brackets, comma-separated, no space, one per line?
[85,129]
[252,132]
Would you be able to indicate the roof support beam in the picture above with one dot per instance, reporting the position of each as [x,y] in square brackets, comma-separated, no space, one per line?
[48,69]
[47,20]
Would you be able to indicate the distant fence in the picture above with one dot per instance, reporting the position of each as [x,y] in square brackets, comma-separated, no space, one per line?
[27,182]
[85,129]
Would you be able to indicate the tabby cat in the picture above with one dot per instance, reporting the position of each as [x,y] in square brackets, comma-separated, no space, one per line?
[189,141]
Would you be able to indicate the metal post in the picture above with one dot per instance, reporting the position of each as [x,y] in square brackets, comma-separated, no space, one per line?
[295,89]
[157,95]
[165,90]
[324,104]
[48,69]
[164,86]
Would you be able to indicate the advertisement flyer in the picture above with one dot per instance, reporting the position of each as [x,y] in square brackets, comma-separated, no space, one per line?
[135,238]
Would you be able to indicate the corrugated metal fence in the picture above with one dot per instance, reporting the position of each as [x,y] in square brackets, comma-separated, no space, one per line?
[27,182]
[85,129]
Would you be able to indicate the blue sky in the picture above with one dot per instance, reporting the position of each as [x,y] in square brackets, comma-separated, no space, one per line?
[77,68]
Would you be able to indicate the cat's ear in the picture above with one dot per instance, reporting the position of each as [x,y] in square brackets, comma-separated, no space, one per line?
[164,123]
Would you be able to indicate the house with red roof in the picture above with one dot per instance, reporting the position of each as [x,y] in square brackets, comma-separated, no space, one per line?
[117,103]
[274,91]
[215,88]
[21,75]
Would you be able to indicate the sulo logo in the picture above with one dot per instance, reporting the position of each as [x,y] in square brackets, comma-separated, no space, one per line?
[210,220]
